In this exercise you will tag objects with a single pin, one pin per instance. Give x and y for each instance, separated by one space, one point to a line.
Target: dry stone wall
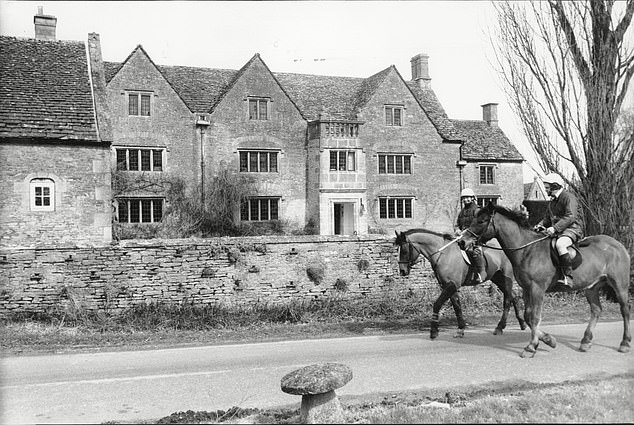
234 272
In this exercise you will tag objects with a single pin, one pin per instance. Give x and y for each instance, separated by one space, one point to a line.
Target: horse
605 266
451 270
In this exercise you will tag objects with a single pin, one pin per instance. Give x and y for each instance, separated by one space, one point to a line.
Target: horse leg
457 308
447 291
592 295
533 316
622 296
519 317
506 305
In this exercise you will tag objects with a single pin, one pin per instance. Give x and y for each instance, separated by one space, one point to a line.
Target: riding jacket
466 216
563 215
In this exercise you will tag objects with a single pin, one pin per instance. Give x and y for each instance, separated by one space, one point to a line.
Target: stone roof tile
45 90
485 142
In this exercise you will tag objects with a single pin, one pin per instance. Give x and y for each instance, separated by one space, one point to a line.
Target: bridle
491 223
410 262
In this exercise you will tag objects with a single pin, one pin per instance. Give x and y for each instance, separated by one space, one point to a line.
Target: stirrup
565 281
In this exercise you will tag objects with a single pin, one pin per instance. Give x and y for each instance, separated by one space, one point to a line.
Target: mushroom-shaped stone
317 384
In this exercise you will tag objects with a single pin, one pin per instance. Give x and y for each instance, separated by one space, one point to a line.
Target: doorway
343 218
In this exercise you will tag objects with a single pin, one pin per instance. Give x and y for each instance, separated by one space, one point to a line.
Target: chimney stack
44 25
490 114
420 70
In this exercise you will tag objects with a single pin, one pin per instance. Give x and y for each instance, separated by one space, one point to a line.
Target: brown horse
451 271
605 265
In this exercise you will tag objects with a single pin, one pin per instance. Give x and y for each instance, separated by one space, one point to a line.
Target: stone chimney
490 114
44 25
420 70
98 82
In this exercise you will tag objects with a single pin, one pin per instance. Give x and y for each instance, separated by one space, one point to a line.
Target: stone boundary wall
235 272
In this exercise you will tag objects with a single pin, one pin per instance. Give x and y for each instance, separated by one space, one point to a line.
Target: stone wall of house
435 179
508 179
228 271
82 211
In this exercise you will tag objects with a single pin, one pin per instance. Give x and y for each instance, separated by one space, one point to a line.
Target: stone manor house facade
352 156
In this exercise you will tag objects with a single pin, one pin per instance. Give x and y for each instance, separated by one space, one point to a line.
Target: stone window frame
245 167
406 211
127 203
139 95
345 166
152 162
390 120
42 183
486 179
258 99
247 209
386 169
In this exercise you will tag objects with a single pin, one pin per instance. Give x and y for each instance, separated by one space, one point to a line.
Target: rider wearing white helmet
465 217
561 220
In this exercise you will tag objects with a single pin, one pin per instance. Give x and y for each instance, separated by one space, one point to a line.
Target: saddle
573 250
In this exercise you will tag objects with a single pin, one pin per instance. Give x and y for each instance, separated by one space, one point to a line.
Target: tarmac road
150 384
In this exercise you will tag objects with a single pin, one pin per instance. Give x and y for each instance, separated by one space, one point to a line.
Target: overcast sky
343 38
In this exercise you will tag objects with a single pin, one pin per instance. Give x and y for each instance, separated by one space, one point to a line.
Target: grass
593 400
160 324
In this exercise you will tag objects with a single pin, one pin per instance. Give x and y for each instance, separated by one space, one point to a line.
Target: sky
342 38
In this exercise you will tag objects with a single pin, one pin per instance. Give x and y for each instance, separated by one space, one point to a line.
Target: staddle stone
317 384
316 379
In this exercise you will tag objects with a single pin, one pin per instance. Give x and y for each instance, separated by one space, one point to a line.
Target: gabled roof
45 90
485 142
337 97
436 113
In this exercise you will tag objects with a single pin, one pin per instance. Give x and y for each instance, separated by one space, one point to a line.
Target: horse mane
517 216
445 236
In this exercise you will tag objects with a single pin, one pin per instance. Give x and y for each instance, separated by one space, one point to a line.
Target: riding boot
479 272
566 270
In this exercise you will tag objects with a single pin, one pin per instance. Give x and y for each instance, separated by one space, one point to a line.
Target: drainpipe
202 122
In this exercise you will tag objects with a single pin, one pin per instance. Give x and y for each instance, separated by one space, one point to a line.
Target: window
343 160
394 116
260 209
486 174
395 207
139 104
395 164
42 195
483 202
140 210
258 109
258 162
137 159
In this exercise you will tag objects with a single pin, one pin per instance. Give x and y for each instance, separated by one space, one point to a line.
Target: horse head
407 253
481 229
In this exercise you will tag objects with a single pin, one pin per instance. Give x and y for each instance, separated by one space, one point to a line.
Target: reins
502 249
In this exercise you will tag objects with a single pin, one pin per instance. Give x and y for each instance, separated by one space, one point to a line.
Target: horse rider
562 221
465 217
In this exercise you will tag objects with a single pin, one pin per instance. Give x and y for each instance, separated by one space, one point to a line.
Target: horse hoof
585 347
498 331
459 333
527 354
433 335
624 348
523 326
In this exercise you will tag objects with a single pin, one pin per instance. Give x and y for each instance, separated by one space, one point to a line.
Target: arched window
42 195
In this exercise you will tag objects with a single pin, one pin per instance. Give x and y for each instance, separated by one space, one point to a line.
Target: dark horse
451 270
605 265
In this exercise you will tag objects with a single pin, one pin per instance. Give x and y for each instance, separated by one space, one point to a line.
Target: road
150 384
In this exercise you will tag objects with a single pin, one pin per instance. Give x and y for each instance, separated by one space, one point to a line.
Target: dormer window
394 115
259 108
139 104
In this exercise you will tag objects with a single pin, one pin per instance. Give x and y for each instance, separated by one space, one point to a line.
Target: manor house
349 156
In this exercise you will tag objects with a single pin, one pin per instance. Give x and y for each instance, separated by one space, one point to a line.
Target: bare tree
566 68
